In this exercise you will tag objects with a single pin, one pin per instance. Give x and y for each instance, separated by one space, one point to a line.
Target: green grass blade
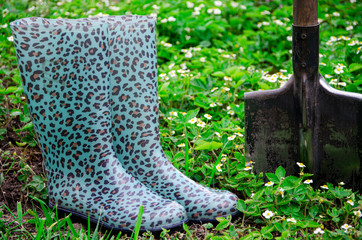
95 233
40 230
186 154
138 223
71 227
216 163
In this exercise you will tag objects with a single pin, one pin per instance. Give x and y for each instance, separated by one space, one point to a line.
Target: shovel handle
305 13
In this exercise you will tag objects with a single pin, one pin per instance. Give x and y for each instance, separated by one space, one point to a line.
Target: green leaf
313 211
241 206
11 90
218 74
355 67
204 145
280 172
290 182
272 177
191 114
222 225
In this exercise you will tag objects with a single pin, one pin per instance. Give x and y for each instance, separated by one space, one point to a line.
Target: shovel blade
337 137
272 124
328 140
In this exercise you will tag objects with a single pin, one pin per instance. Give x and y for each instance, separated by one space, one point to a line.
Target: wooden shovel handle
305 13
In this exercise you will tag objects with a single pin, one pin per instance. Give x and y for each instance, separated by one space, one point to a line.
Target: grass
208 57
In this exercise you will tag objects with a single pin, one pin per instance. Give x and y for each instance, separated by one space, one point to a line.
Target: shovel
306 120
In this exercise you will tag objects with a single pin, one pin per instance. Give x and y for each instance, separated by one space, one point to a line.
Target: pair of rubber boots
91 87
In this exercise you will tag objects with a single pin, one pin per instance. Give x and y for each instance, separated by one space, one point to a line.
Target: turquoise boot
135 123
65 71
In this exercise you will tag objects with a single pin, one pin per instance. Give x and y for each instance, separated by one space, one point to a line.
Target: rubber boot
65 72
136 128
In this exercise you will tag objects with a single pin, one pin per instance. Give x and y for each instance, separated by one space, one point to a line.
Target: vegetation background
209 54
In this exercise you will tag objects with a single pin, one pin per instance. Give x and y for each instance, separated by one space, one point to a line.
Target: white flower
349 28
333 39
239 134
226 78
301 165
212 105
225 89
232 137
10 39
203 59
217 11
187 37
354 42
248 168
289 38
219 103
346 227
243 7
323 64
324 187
189 4
196 13
193 120
336 14
171 19
281 192
234 4
218 3
171 65
172 73
269 184
183 66
214 89
181 145
4 26
231 112
357 213
223 159
164 20
218 167
208 116
329 43
114 8
217 134
318 231
172 113
309 181
5 12
268 214
328 76
338 70
292 220
188 55
266 12
341 183
155 7
352 1
154 15
350 202
201 124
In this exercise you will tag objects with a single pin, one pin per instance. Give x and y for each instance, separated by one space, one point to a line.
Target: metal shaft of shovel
306 120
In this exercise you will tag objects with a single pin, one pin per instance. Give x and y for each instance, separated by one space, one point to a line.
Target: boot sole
125 230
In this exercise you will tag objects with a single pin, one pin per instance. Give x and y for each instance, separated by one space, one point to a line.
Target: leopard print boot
134 103
65 72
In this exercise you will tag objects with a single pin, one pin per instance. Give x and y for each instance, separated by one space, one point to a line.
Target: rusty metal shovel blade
306 120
